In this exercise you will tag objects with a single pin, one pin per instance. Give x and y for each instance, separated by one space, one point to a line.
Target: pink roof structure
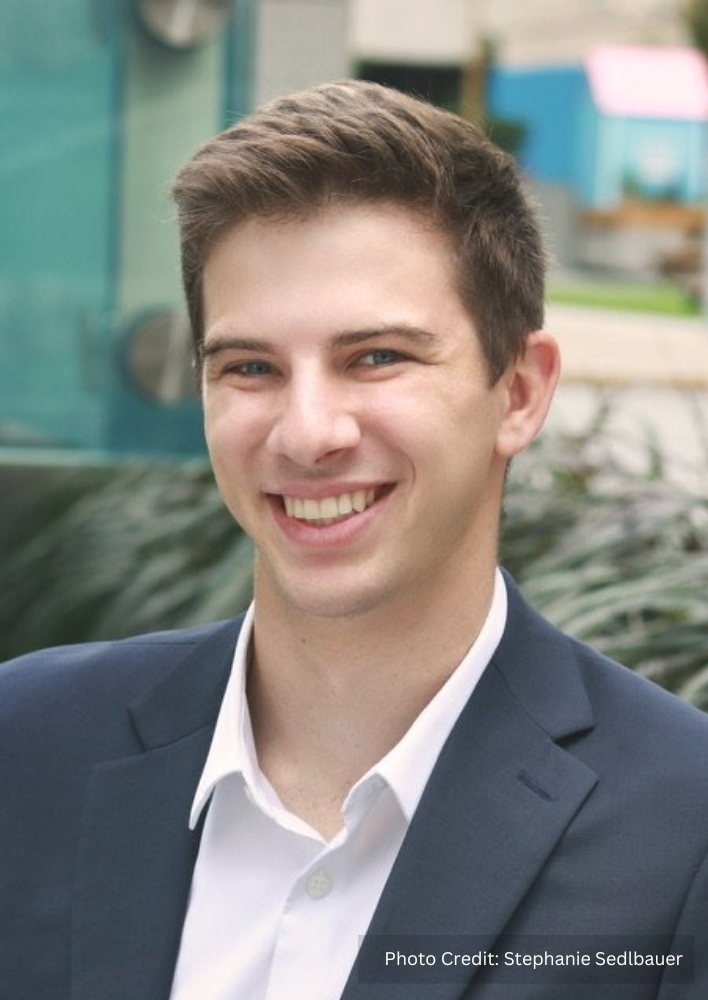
667 83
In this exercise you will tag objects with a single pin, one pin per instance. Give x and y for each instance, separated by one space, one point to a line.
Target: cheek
218 441
467 437
231 430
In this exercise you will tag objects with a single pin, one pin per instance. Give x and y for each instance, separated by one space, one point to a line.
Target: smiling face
350 421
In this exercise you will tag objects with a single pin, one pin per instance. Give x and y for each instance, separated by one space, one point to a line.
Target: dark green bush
614 557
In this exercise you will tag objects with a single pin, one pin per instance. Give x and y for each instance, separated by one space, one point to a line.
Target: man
392 778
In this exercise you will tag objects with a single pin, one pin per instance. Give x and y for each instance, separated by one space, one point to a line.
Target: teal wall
172 100
58 94
97 116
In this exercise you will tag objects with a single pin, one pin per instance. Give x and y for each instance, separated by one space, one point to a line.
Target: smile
328 510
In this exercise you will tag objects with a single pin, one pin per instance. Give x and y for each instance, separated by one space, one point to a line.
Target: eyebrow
405 331
217 344
347 338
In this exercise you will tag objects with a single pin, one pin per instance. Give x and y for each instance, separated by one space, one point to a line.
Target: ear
530 383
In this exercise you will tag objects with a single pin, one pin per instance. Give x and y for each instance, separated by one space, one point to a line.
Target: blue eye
380 358
254 369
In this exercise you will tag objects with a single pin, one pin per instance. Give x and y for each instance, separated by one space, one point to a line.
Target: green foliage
696 16
118 551
509 134
662 297
614 557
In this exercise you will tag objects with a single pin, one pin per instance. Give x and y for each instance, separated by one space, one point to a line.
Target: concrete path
604 347
652 374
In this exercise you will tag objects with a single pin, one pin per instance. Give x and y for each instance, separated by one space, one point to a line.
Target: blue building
619 143
643 127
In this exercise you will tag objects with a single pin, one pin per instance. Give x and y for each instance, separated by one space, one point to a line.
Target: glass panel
58 67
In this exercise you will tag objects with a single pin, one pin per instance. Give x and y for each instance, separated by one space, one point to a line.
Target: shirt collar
407 766
232 749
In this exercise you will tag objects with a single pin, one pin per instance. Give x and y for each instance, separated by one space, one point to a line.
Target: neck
329 697
421 642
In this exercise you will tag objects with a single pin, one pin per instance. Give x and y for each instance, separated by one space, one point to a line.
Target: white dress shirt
276 912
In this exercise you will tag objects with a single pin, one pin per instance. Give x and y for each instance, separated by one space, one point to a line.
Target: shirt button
319 884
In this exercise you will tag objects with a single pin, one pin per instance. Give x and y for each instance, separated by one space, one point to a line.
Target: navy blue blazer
570 799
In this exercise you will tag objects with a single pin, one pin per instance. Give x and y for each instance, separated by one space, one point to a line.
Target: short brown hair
355 141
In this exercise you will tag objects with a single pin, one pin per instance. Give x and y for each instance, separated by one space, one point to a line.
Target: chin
334 607
328 601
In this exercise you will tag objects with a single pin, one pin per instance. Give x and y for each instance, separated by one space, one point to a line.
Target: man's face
350 421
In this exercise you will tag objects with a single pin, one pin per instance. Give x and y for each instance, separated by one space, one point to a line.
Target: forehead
347 256
337 219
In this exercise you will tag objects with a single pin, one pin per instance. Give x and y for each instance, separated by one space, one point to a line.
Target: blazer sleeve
692 924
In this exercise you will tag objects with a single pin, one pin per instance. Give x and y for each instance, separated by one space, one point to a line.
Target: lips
328 510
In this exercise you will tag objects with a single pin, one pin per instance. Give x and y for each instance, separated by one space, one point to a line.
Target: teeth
359 501
329 509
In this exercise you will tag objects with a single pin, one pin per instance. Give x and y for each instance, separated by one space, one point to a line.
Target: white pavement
609 347
653 373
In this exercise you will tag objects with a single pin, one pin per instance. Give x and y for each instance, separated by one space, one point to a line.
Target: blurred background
109 523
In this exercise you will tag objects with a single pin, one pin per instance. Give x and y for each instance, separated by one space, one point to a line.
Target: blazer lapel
500 798
137 854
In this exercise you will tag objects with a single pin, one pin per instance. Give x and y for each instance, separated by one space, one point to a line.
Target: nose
315 423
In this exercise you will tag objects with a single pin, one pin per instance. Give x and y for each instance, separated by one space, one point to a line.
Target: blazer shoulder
558 677
65 680
640 710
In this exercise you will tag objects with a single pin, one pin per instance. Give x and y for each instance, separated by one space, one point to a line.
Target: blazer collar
499 800
188 697
136 853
